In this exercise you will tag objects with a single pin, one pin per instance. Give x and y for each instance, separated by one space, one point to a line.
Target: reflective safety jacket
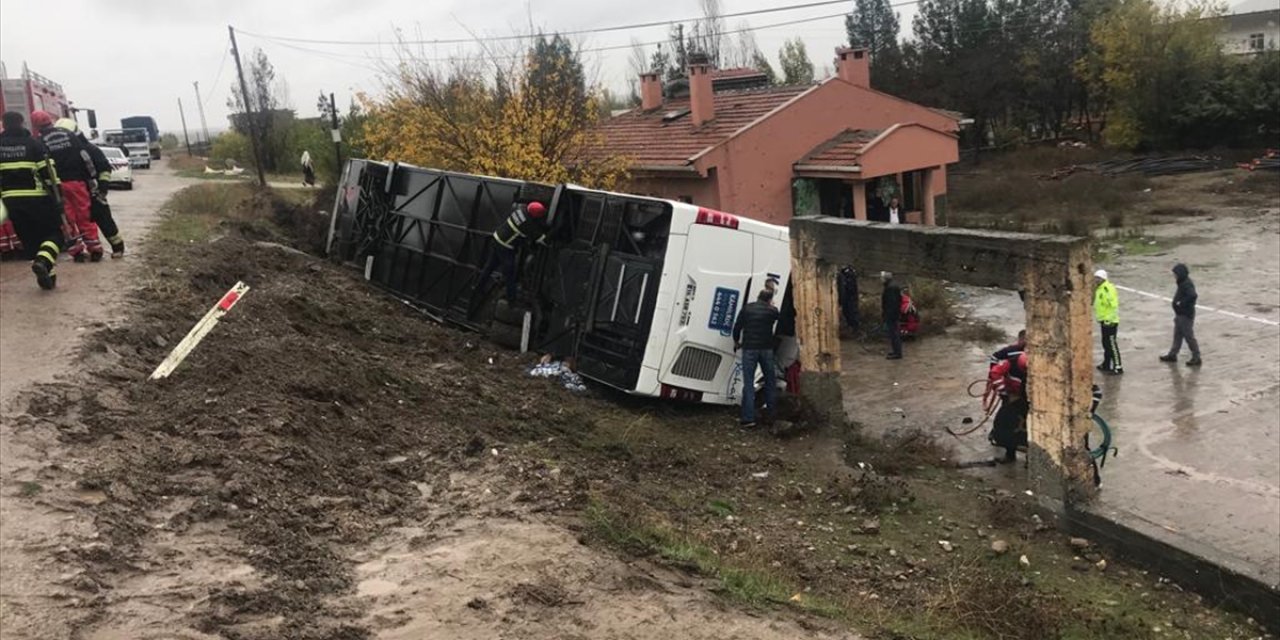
68 151
517 226
25 168
1106 303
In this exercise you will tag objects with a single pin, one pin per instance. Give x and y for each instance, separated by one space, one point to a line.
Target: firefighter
29 190
76 173
526 222
99 209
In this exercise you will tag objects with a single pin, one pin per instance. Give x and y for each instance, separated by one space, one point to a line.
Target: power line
338 56
226 52
622 27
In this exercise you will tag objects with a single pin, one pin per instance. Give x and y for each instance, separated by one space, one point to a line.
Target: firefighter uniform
29 190
76 173
99 209
525 222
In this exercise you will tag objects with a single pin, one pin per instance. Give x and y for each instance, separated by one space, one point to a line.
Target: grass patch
194 212
744 584
182 162
199 174
28 489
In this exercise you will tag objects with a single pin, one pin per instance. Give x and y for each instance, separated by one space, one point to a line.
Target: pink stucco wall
903 148
755 168
704 191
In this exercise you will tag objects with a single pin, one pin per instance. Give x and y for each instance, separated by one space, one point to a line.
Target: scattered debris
946 545
1000 547
198 332
1024 562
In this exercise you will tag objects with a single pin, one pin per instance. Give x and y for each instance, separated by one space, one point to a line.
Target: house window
1257 41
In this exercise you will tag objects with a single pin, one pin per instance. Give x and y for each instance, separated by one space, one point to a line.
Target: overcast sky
133 57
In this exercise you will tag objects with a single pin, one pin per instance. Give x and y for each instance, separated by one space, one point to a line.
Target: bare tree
638 62
708 33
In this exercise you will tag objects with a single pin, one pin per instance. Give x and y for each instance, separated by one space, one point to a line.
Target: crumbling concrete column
817 329
1060 376
858 191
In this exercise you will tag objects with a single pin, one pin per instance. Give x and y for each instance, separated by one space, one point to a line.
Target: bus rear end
715 263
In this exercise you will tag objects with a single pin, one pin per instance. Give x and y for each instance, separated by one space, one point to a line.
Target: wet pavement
1199 449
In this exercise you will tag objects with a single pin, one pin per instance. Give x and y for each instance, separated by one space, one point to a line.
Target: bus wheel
506 335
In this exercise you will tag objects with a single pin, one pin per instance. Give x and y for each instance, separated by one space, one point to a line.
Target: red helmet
536 209
1022 360
40 119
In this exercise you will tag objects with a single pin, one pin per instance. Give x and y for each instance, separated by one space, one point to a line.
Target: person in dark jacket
29 190
99 209
77 179
891 310
1184 317
847 289
526 222
753 335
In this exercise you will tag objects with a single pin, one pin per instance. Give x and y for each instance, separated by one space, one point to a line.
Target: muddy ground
330 464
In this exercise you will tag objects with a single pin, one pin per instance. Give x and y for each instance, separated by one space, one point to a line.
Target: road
1198 448
40 332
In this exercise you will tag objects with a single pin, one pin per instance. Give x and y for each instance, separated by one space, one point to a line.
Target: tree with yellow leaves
535 121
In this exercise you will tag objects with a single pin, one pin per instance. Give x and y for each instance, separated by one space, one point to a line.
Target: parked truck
641 292
153 132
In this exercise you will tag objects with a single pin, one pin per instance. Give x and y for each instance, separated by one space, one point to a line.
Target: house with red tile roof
838 147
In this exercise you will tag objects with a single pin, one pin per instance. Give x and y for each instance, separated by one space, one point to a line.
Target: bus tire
506 335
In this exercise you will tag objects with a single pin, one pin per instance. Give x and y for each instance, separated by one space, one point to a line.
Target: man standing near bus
1106 307
29 190
753 334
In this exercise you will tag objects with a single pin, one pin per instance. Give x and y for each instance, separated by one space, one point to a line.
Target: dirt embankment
329 464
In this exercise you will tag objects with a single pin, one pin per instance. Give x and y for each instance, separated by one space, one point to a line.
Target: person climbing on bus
527 222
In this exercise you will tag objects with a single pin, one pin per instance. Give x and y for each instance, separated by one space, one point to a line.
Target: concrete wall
1053 270
755 168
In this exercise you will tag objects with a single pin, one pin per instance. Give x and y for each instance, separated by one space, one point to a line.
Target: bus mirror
93 119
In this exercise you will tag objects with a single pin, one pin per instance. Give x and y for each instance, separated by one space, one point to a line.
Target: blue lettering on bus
724 308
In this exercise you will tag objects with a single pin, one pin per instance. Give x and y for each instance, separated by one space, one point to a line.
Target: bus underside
589 292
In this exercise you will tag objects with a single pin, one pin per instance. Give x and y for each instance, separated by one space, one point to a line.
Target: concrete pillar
926 192
818 330
1060 376
859 196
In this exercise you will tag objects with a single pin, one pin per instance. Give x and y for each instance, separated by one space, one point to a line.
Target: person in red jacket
76 172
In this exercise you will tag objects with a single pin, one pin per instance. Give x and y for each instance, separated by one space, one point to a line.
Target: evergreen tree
795 63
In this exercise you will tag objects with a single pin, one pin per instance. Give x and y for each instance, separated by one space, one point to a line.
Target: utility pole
248 110
204 126
186 137
336 133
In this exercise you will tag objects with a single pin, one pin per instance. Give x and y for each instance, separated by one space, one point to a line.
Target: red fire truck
26 93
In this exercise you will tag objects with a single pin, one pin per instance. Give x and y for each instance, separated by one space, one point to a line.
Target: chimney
853 65
650 91
702 97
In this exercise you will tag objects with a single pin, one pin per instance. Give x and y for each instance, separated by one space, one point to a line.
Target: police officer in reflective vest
525 223
99 210
29 190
